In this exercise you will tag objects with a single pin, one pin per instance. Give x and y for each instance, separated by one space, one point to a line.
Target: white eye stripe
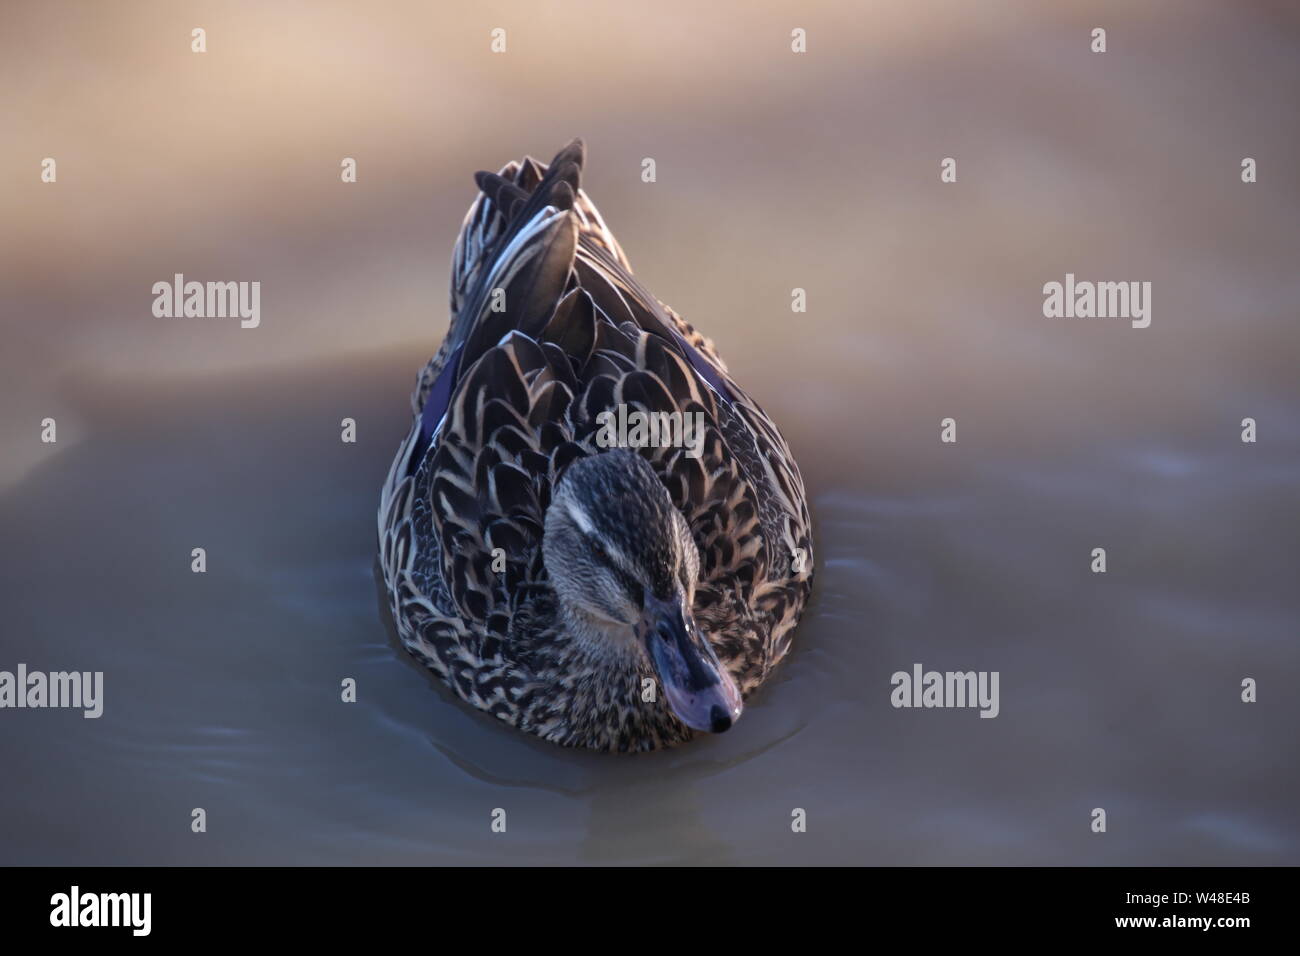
579 517
585 525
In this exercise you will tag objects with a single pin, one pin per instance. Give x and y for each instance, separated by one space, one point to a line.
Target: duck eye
599 551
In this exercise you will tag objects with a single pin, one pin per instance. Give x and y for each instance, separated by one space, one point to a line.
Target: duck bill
697 688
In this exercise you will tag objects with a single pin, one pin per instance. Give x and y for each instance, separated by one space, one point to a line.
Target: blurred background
774 171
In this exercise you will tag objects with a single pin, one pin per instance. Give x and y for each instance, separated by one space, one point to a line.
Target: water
222 690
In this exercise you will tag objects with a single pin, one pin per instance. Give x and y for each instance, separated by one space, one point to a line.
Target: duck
587 585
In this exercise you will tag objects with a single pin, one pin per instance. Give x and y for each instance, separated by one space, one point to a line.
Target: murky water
1117 690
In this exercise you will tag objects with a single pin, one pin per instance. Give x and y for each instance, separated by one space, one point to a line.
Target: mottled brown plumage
549 329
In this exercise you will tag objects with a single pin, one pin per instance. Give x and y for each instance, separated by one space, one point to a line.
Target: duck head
624 566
